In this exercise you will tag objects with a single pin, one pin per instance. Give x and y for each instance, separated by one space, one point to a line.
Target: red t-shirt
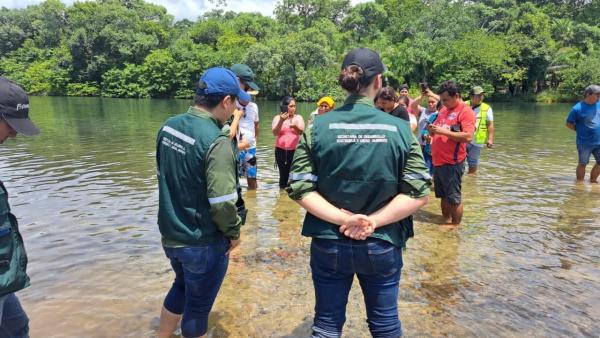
444 150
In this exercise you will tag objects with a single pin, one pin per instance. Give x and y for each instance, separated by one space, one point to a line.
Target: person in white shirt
248 128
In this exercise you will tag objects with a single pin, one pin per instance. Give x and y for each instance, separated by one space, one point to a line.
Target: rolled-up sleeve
221 187
303 176
415 181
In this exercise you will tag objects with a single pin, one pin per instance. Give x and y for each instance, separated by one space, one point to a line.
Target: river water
525 262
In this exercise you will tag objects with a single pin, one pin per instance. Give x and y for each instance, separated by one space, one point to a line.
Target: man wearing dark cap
197 214
14 119
248 125
584 118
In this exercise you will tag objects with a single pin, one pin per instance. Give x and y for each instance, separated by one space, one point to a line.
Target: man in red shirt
451 132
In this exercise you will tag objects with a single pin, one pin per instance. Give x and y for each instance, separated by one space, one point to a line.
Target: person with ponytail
287 127
360 176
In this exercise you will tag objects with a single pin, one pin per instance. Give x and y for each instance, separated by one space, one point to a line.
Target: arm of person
490 127
303 174
243 144
256 130
572 118
430 93
237 116
221 188
413 122
297 124
453 135
319 207
414 190
277 124
415 107
466 119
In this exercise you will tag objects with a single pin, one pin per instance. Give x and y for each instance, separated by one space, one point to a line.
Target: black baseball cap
14 108
365 58
245 74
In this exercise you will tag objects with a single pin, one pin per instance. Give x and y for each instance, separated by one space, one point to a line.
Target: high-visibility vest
481 129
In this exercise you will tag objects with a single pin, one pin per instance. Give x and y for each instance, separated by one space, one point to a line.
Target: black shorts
447 180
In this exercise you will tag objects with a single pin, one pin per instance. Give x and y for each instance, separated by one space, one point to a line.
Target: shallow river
526 261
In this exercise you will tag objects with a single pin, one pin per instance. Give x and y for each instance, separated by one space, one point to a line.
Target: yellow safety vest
481 129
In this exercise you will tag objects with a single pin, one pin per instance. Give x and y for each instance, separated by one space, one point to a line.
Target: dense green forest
129 48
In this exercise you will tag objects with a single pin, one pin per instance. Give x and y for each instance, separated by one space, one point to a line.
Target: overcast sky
184 9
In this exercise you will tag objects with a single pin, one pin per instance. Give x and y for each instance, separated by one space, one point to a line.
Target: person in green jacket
360 176
14 120
197 216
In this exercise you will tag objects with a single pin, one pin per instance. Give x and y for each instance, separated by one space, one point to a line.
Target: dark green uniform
197 181
13 259
359 158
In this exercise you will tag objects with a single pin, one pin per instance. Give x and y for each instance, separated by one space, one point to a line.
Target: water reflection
525 262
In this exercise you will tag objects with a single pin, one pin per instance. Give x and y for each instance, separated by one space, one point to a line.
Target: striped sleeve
415 181
303 177
221 187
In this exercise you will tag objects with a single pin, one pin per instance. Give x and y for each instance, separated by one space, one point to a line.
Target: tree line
129 48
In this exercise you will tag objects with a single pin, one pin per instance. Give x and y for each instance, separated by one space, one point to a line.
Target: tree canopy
131 48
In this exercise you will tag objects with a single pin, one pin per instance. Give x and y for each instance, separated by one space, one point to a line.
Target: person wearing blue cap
197 217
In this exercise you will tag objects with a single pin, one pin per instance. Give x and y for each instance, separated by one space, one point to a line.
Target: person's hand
237 114
233 245
433 129
490 144
357 226
284 116
427 138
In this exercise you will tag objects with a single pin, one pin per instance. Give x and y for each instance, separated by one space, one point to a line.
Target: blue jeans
13 320
585 151
377 265
473 154
199 272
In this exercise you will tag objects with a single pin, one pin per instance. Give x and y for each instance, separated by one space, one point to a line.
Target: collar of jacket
204 114
359 99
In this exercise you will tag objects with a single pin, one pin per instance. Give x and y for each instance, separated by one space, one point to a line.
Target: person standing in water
584 119
360 177
287 127
14 120
484 128
197 201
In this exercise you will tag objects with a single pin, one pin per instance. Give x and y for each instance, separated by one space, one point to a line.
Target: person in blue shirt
584 118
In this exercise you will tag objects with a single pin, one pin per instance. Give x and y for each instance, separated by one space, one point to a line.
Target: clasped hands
357 226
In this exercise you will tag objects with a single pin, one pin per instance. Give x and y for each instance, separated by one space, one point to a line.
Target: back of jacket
359 154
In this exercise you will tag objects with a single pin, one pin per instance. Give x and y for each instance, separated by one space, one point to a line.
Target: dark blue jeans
199 272
377 265
13 320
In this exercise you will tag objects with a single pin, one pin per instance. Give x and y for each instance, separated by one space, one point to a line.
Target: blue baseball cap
221 81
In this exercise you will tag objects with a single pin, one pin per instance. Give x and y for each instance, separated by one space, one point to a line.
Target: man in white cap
14 120
584 118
